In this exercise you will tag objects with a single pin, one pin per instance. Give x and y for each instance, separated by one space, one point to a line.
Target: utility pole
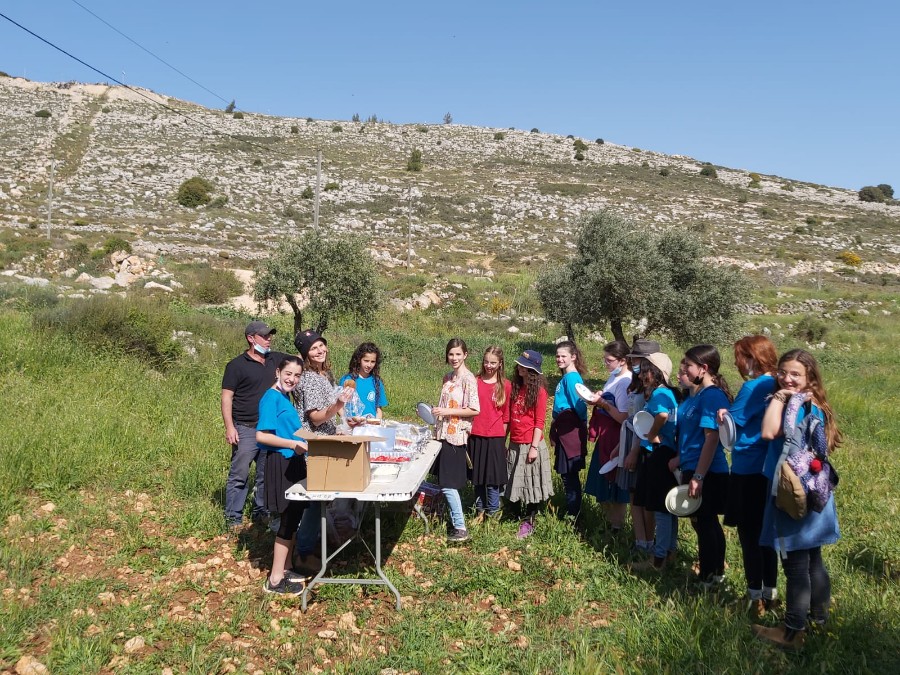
50 198
318 187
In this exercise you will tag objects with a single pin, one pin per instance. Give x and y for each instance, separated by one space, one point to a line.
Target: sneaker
309 563
526 529
780 636
458 536
284 587
653 564
294 577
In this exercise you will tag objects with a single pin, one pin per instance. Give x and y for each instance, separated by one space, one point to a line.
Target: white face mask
261 350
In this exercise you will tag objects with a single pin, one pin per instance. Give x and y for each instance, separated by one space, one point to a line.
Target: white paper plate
642 424
679 504
609 466
584 392
727 432
423 410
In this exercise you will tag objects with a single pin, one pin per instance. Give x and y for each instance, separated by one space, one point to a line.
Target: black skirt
282 473
450 467
488 454
715 492
658 478
747 496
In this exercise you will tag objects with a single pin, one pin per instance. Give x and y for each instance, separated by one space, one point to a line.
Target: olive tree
326 275
623 272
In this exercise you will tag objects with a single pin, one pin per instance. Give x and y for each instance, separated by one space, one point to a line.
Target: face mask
261 350
616 371
636 370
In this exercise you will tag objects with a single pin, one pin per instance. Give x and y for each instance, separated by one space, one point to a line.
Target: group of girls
474 416
304 396
682 447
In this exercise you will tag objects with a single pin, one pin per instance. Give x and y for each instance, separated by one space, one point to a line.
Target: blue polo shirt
565 397
662 400
365 389
695 415
748 409
278 416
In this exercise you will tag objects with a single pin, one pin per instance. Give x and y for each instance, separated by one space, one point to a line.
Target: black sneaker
458 536
284 587
295 577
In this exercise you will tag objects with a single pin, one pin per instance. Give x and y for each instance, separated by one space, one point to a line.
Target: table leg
378 554
323 535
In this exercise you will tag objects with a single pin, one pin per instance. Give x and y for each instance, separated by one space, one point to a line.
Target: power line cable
141 94
158 58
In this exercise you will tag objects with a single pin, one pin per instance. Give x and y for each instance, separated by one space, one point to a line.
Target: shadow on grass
873 563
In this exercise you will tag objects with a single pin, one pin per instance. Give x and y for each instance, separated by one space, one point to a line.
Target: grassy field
114 557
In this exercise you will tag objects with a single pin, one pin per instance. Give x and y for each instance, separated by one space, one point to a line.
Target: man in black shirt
246 379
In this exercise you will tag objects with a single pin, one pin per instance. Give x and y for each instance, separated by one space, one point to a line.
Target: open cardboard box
337 462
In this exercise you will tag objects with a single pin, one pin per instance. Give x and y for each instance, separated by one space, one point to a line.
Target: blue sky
808 90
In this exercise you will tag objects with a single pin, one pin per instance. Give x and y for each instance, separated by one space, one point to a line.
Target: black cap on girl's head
304 340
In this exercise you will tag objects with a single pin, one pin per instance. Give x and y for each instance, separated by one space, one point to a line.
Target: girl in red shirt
487 442
528 460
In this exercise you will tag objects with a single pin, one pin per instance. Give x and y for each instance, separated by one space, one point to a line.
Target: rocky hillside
485 199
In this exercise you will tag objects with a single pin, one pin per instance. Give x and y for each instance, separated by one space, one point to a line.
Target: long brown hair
500 385
756 353
817 389
533 382
572 348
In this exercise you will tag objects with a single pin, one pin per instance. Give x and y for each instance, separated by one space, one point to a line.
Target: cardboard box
337 462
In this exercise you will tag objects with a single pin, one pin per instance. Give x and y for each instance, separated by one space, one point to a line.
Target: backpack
804 478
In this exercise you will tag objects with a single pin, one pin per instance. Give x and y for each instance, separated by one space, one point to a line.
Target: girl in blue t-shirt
365 370
568 431
285 466
808 586
701 457
755 357
657 478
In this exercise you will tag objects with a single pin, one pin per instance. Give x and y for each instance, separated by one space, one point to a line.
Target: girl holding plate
755 358
610 411
701 457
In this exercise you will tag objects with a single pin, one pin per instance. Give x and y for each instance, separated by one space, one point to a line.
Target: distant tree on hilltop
871 193
448 118
230 107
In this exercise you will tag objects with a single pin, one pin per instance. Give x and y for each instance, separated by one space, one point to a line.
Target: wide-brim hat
304 340
643 348
530 359
663 362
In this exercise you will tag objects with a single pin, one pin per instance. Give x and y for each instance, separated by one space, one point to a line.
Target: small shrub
291 212
850 259
307 193
414 163
767 212
870 193
535 130
636 150
79 222
599 141
331 187
309 119
499 136
755 177
257 162
858 239
570 137
79 254
194 192
580 146
645 164
709 172
810 328
238 115
106 109
43 114
742 198
787 187
295 129
753 185
579 156
211 286
337 128
422 129
218 202
114 244
664 171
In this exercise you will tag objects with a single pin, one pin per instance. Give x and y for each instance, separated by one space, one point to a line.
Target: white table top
402 489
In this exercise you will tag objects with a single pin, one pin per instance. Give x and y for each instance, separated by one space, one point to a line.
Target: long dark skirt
488 460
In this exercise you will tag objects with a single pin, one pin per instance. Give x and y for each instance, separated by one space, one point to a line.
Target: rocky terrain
485 200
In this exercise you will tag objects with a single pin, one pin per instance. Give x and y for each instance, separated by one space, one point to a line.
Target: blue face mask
636 370
616 371
261 350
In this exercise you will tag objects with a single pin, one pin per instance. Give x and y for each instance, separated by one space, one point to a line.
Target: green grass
134 461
